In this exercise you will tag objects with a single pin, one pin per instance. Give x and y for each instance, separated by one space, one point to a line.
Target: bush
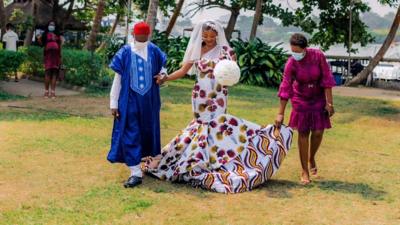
33 63
260 63
83 67
174 47
113 43
10 61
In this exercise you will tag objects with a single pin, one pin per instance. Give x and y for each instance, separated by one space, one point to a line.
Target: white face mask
298 56
141 45
51 28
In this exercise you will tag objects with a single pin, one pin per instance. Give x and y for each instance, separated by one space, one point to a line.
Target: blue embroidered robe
136 133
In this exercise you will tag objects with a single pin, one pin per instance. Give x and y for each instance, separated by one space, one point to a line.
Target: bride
217 151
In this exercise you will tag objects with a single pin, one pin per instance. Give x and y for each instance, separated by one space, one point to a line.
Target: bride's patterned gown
217 151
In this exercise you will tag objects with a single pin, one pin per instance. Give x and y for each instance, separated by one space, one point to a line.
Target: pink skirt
309 120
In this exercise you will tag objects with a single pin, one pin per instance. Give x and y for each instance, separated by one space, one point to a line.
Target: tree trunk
256 20
152 13
91 41
110 32
54 12
67 14
174 17
2 19
235 12
363 75
30 30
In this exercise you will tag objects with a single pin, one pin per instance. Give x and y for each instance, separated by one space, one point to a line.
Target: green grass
53 167
4 96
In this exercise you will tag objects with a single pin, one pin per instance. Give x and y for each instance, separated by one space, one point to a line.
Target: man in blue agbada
135 102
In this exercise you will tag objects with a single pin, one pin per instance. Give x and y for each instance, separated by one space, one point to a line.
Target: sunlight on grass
53 167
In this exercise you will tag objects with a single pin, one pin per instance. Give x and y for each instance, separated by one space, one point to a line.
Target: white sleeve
164 71
115 90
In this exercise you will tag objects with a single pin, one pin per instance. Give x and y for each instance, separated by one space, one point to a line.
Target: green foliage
174 48
33 64
83 67
4 96
327 21
331 25
113 43
260 63
143 5
21 20
10 61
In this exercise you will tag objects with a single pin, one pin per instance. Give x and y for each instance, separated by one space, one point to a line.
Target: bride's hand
279 120
161 78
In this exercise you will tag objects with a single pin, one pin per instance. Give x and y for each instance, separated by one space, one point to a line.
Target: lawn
53 167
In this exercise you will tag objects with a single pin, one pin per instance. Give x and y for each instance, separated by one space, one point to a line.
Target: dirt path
367 93
29 88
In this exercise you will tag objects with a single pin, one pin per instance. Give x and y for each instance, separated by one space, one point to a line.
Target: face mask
298 56
51 28
141 45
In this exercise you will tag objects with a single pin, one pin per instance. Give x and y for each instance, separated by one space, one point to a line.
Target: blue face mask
51 28
298 56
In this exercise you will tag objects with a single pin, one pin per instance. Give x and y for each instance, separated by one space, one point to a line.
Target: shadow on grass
362 189
160 186
281 188
366 107
274 188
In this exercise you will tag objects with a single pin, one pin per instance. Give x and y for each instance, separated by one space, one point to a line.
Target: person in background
10 39
52 42
307 82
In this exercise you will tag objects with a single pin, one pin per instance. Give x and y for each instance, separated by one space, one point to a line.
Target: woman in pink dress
51 42
307 82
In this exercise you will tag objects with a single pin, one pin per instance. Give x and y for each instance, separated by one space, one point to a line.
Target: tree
151 18
30 24
2 19
363 75
174 17
257 19
110 32
234 7
91 41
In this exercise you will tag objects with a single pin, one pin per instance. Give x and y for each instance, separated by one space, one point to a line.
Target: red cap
141 28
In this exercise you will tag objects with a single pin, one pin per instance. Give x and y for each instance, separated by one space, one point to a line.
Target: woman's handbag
62 72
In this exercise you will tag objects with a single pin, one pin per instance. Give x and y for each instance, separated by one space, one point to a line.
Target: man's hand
161 78
115 113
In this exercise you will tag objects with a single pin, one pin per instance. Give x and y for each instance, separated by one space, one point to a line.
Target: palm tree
257 18
363 75
174 17
152 13
91 41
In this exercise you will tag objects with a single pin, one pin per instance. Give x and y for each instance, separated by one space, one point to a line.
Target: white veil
193 50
